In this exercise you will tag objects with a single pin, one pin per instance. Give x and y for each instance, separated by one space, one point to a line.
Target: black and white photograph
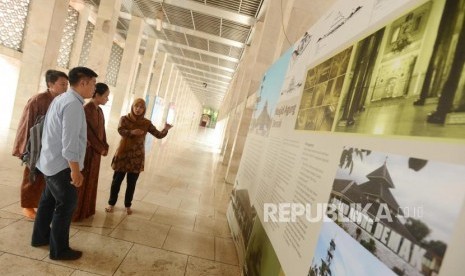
337 253
320 96
408 77
401 209
244 212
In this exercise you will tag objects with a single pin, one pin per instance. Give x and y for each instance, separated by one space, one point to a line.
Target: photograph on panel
401 209
321 92
268 96
337 253
261 258
408 78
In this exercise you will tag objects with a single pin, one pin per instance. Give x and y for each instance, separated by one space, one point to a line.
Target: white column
165 81
45 23
179 92
142 83
177 85
84 13
169 91
157 73
102 39
127 69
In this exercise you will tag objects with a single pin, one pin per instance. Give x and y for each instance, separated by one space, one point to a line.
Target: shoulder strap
34 146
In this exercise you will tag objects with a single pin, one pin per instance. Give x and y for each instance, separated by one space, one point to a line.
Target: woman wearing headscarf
130 155
96 147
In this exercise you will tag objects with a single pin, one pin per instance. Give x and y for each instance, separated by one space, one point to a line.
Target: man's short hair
51 76
78 73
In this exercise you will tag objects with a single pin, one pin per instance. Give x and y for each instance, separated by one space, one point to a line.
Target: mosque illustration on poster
262 124
268 96
388 205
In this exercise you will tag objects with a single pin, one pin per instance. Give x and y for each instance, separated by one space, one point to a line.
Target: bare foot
110 209
29 213
128 210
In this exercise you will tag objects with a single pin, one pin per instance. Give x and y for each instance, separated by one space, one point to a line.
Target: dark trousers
56 207
118 178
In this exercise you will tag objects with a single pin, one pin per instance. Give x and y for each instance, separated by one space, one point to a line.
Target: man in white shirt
64 140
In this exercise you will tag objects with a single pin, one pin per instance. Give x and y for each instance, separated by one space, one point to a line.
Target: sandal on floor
109 209
128 210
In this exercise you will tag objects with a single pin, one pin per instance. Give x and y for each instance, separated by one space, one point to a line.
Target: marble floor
178 226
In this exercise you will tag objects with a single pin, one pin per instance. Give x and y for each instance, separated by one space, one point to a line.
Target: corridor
178 226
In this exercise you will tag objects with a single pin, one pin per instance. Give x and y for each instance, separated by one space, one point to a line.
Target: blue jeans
56 207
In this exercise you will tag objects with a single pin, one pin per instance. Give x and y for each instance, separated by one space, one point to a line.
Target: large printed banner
355 159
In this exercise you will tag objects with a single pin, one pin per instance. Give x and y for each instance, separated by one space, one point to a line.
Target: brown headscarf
138 120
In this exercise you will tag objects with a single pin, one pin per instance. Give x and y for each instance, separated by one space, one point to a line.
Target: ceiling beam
210 10
203 71
190 74
208 81
182 46
212 89
201 83
200 87
209 84
215 38
202 62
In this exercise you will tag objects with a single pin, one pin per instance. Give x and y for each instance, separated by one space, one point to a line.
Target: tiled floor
178 226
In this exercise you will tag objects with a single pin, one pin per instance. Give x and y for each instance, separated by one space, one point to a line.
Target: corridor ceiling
205 39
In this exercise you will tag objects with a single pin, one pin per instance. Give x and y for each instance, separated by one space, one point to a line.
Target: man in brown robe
57 83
